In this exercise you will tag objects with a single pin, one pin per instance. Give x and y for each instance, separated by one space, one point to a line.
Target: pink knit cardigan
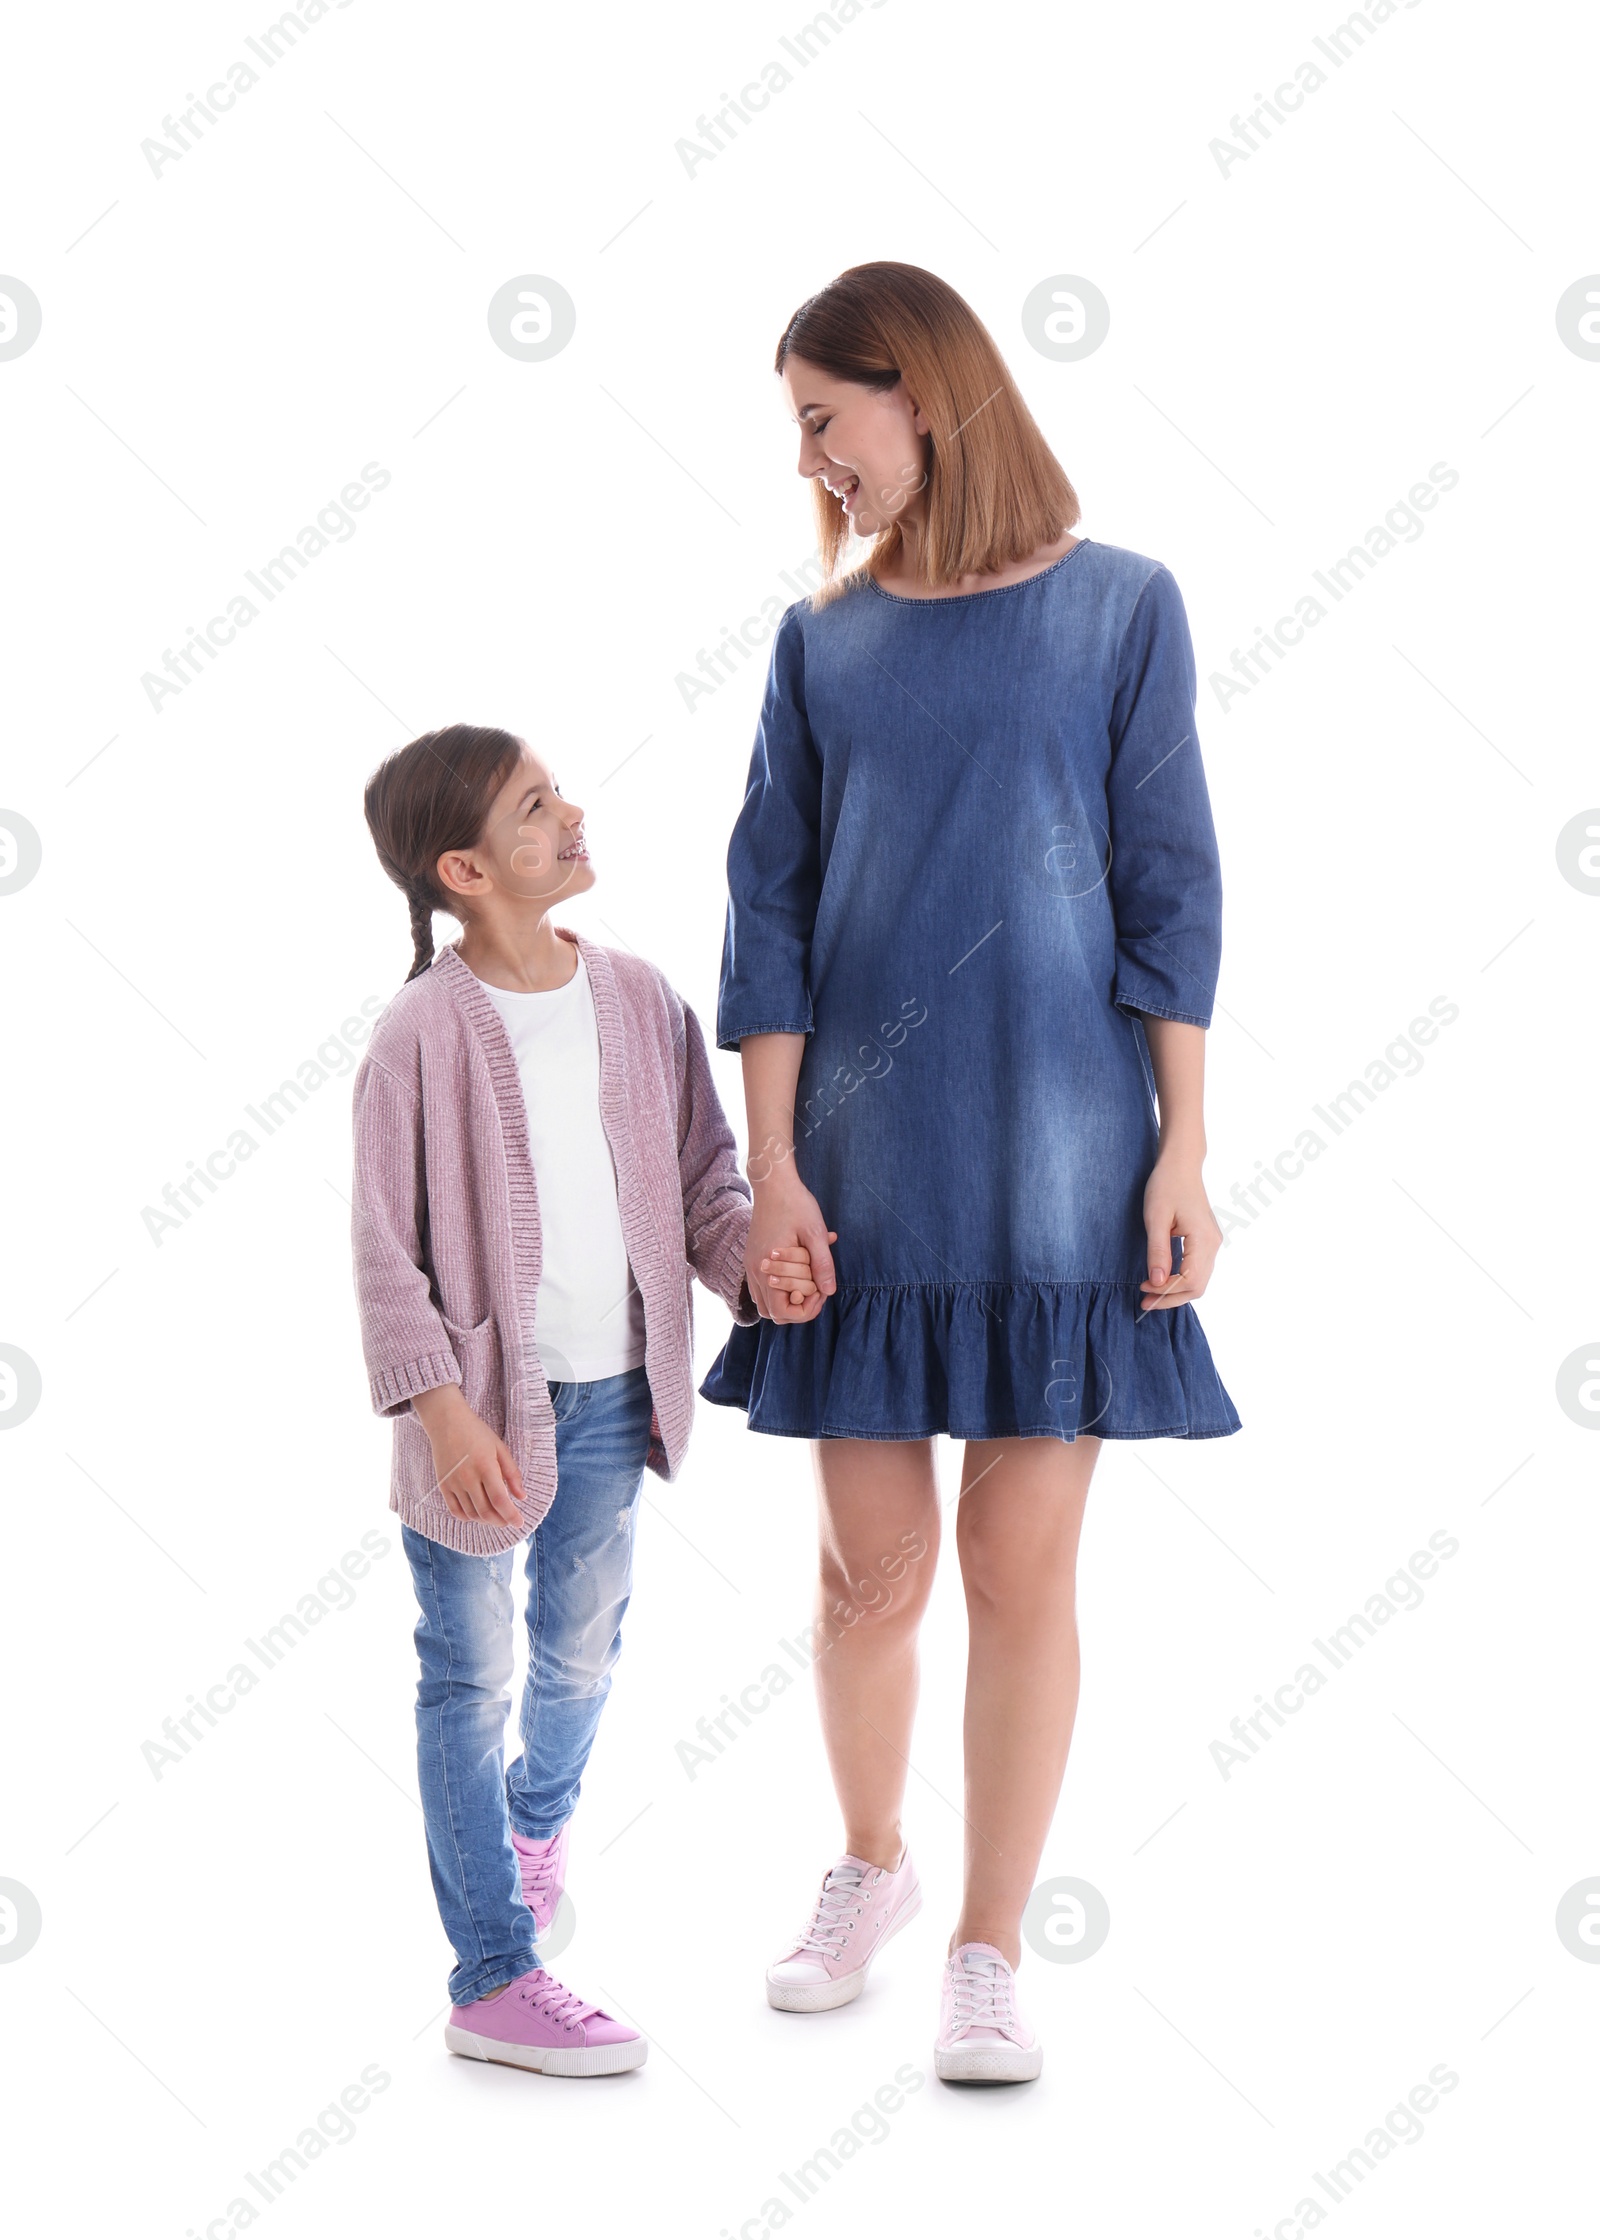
446 1218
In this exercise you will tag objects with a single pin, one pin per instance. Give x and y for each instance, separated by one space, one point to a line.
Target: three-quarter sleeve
1165 879
774 862
403 1336
716 1197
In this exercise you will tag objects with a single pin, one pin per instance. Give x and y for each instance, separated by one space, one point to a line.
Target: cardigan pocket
477 1352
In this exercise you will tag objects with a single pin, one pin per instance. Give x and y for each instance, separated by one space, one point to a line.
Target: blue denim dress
975 846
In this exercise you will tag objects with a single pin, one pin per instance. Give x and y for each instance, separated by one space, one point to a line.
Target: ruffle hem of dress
977 1361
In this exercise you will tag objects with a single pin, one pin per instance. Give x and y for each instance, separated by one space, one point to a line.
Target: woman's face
868 446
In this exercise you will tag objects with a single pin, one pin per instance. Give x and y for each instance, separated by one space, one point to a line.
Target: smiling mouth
574 852
843 491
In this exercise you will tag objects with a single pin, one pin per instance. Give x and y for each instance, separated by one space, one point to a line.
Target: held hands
475 1472
1176 1205
787 1273
787 1262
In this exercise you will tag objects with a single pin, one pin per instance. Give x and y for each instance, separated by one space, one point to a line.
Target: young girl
540 1162
973 935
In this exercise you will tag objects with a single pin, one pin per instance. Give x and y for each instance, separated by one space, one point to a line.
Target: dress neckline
996 591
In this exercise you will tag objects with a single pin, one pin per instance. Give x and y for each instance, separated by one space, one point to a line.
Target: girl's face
532 847
869 447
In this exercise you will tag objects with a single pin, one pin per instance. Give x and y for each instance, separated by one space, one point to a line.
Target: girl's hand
787 1224
787 1269
475 1472
1176 1205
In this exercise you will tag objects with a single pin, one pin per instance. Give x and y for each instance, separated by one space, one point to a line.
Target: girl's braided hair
428 798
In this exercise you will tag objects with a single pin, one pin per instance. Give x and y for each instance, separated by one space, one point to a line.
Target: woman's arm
1165 885
785 1211
764 1001
1175 1201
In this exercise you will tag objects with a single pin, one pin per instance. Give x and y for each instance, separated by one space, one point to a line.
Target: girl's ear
458 873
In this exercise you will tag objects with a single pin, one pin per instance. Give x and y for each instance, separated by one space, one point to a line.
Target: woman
972 944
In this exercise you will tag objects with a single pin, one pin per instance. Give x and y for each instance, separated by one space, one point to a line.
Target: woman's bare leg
878 1508
1017 1529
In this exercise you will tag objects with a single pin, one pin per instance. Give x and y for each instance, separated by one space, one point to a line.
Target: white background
1291 347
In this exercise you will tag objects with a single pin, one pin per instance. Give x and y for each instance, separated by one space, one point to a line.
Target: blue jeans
580 1572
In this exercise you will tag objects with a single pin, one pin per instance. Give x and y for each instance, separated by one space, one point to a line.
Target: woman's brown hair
995 489
426 799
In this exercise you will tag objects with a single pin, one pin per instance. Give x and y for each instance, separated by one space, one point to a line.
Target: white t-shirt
588 1317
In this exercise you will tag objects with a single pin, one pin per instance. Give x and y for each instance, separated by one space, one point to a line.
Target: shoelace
842 1897
984 1996
538 1876
563 2007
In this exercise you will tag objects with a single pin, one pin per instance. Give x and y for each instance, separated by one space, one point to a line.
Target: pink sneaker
982 2038
544 1874
858 1909
537 2023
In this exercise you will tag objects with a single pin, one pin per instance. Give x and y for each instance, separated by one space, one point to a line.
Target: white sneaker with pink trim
982 2038
858 1910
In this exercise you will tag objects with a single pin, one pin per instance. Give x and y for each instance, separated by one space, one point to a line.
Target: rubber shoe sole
837 1991
550 2061
988 2063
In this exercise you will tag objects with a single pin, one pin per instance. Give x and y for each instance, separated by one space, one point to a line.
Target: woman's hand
475 1472
787 1224
786 1218
1176 1205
